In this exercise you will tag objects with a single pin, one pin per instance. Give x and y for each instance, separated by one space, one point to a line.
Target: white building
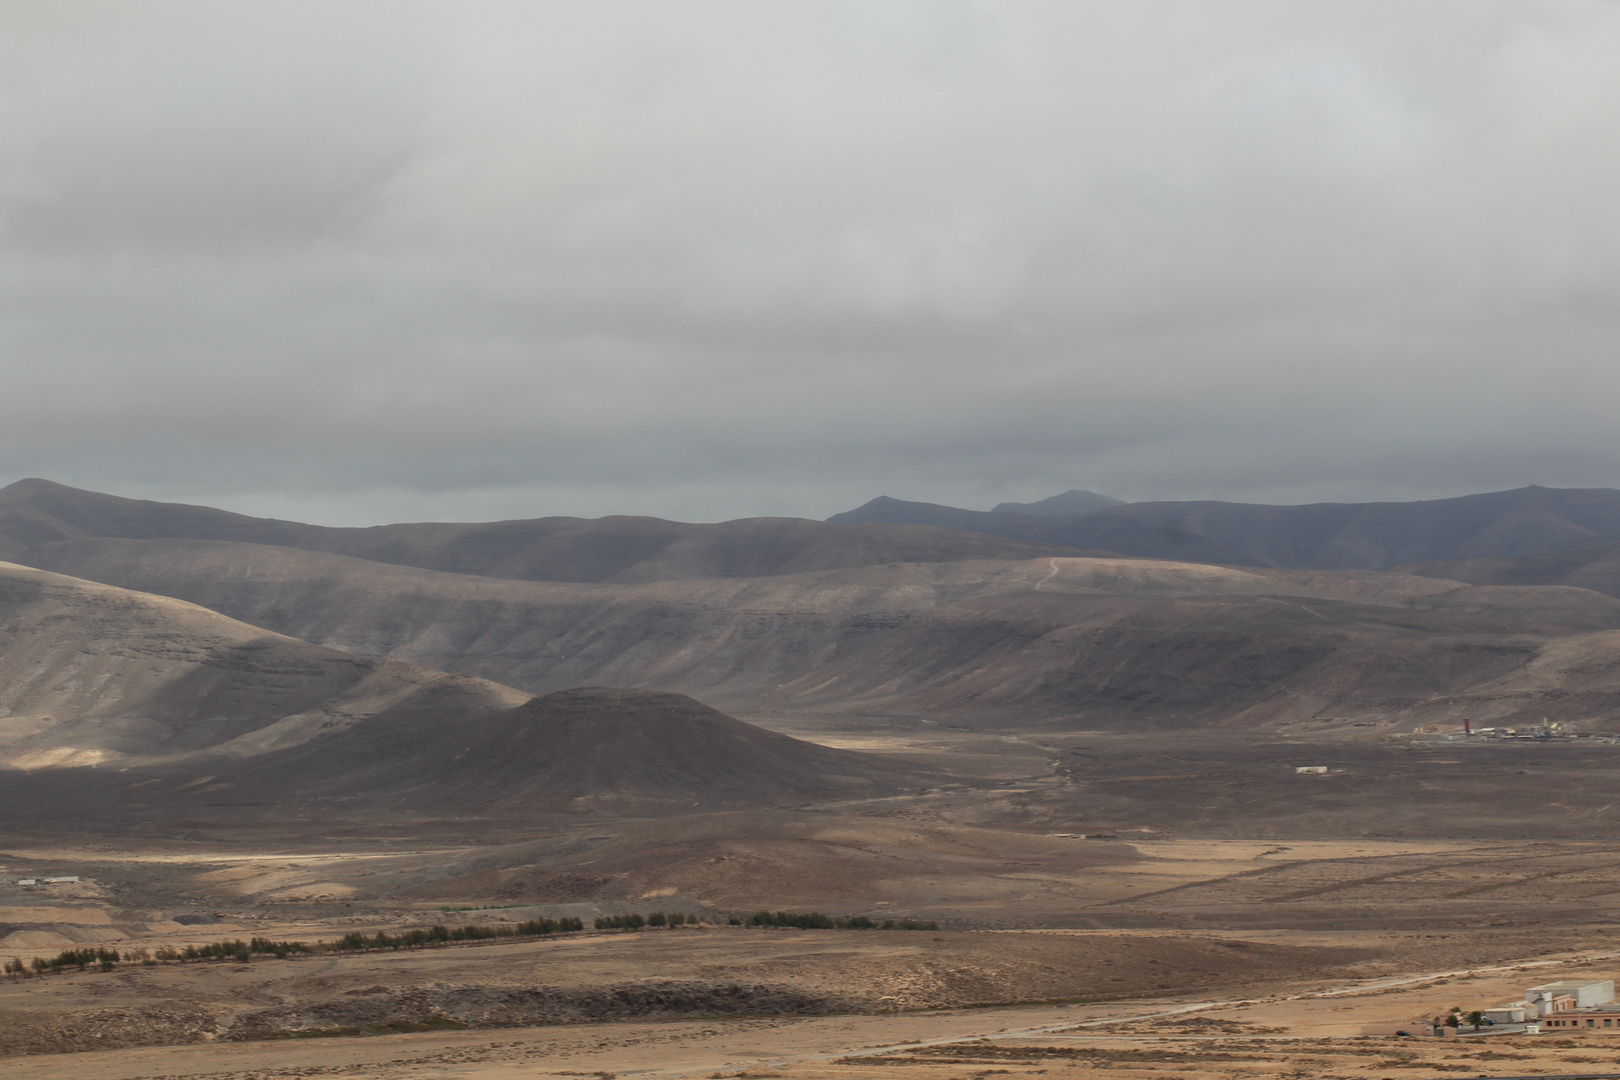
1568 994
1508 1014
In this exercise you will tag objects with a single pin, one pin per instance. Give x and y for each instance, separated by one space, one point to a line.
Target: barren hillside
1595 568
1065 641
92 674
583 750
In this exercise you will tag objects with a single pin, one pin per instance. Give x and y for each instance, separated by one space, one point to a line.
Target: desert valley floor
1131 946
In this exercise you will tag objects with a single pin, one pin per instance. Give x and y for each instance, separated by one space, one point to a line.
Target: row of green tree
445 935
815 920
355 941
636 922
77 958
244 951
805 920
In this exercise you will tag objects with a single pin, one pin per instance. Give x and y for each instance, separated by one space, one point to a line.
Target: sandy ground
663 974
880 865
1256 948
1287 1033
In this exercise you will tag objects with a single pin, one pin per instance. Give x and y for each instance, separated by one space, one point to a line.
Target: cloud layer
364 261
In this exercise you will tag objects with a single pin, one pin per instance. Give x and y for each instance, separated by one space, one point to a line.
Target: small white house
1310 770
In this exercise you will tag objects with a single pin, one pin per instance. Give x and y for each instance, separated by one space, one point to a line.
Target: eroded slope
93 674
1070 641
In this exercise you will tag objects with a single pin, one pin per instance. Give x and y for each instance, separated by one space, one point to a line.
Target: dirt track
1291 1034
647 975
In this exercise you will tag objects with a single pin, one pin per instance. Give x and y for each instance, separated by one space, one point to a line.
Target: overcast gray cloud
352 262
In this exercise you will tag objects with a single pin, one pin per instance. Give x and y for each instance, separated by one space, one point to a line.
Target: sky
356 262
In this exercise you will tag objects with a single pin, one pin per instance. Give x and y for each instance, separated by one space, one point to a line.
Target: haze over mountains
1073 501
34 512
1507 524
1329 536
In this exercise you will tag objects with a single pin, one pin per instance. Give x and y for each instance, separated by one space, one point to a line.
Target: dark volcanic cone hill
590 748
627 549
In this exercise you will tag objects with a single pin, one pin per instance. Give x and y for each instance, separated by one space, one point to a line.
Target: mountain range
35 512
1329 536
981 631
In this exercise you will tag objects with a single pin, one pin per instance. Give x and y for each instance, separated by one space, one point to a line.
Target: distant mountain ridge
1320 536
1075 642
1096 531
1073 501
616 549
1523 522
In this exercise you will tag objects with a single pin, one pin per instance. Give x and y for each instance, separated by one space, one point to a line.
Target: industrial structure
1569 995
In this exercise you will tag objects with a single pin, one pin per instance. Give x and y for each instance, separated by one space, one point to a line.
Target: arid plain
1082 768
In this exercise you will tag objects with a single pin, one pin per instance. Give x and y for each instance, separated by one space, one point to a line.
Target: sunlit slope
1074 641
92 674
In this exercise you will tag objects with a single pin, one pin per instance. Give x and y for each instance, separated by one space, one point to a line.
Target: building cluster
1544 732
1562 1006
37 882
1556 1006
